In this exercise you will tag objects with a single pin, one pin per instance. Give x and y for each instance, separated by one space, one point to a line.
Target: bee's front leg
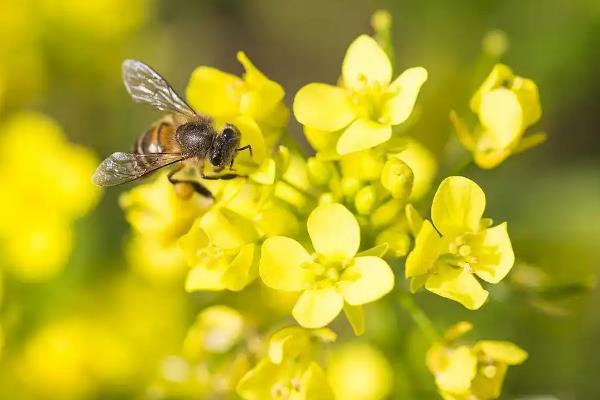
186 187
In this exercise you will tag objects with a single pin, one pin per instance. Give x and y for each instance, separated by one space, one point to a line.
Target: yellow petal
315 385
239 273
324 107
365 61
458 285
497 256
527 93
258 383
251 135
356 317
428 246
321 140
334 231
423 165
214 92
501 351
227 230
316 308
262 95
501 115
457 206
367 280
363 134
458 368
281 264
202 277
500 74
406 87
489 158
289 341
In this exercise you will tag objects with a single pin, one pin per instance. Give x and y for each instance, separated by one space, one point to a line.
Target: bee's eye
228 132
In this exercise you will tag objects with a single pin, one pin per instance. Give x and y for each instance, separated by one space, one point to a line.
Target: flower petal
363 134
204 277
407 86
324 107
428 246
367 280
214 92
454 369
527 92
501 351
457 206
316 308
498 256
258 383
356 317
458 285
365 61
281 264
242 269
501 115
334 231
500 74
315 385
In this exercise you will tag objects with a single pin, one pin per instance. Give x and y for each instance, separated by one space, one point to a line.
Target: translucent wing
145 85
124 167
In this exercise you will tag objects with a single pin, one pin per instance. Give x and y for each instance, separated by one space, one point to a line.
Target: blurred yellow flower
253 103
464 372
49 188
462 244
360 113
72 358
216 330
358 371
332 279
159 217
506 105
290 370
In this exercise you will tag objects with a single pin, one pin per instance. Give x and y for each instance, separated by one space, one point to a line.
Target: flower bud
365 199
397 178
319 171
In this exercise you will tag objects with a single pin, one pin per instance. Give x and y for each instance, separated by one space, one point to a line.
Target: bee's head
224 147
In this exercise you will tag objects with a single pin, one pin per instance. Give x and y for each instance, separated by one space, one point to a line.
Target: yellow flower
446 257
360 113
216 330
222 251
464 372
254 103
72 358
49 188
358 371
159 217
332 279
290 371
506 105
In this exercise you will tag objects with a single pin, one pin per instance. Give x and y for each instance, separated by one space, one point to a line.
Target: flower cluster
331 232
50 189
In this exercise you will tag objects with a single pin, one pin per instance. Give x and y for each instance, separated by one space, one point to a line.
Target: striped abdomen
160 138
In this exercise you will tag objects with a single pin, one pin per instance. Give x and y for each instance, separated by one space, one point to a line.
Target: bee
181 137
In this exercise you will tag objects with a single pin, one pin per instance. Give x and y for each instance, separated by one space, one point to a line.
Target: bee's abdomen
160 138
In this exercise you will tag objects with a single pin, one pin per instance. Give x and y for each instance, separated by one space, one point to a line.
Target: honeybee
182 135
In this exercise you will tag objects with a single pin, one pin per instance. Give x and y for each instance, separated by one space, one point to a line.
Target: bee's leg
185 187
223 177
246 147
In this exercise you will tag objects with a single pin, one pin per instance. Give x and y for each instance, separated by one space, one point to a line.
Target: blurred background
79 319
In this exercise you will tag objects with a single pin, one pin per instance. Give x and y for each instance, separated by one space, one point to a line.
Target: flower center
285 390
369 101
461 253
210 254
325 270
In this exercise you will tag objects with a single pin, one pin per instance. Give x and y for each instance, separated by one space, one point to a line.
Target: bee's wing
145 85
124 167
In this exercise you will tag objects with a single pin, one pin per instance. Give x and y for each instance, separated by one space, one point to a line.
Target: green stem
419 317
